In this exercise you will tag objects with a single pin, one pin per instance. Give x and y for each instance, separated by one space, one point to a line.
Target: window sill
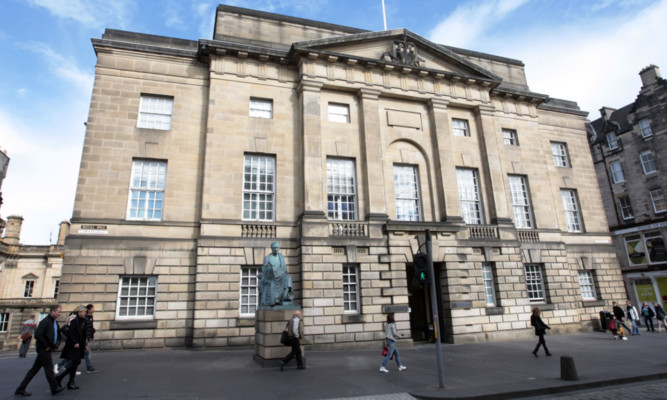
124 325
353 318
495 310
592 303
544 306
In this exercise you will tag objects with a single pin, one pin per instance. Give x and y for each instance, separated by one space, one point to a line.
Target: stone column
313 179
494 179
444 166
372 163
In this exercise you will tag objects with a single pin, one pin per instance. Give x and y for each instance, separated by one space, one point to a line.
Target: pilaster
371 164
313 180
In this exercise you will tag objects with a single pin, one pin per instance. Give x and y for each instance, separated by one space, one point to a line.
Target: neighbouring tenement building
29 279
345 146
629 149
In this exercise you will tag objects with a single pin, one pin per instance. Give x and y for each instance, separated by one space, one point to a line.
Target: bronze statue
275 285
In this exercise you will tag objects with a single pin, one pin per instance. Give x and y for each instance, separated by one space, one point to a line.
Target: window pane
341 188
406 189
137 297
469 196
350 288
258 188
572 215
520 202
155 112
248 300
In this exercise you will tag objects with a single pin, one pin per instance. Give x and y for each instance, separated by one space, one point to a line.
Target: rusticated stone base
269 324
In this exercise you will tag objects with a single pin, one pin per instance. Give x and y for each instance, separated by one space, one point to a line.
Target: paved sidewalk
472 371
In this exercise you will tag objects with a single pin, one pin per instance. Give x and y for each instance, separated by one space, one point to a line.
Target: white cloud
594 61
91 14
206 15
62 67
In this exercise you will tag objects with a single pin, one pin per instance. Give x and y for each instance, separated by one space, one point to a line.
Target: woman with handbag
27 330
390 341
540 330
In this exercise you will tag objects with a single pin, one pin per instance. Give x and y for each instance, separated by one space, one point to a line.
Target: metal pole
434 308
384 16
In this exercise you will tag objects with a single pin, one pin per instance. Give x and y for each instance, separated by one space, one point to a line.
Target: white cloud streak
62 67
91 14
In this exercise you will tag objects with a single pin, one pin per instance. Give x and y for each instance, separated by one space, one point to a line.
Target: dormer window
612 141
645 127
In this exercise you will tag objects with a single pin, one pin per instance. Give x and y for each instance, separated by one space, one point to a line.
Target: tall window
469 197
535 282
658 200
4 322
645 127
571 206
261 108
406 186
612 141
28 288
587 285
489 284
341 189
351 288
510 137
616 171
460 127
626 207
249 294
56 288
147 190
259 174
523 215
646 158
559 153
136 297
155 112
339 112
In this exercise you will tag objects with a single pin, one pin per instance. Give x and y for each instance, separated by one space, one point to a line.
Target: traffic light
421 268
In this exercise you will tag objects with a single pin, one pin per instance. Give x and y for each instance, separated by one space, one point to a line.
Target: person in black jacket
47 337
75 347
540 330
90 335
620 315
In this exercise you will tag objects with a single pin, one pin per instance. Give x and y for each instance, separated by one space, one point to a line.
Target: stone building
345 146
628 147
29 279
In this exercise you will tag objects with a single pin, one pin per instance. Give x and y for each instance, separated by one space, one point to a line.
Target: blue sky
589 51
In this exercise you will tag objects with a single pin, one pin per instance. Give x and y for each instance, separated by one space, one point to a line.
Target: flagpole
384 16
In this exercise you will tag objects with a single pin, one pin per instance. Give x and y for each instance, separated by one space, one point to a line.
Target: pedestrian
619 314
75 347
633 315
540 330
294 329
47 339
660 315
648 314
27 331
65 363
90 334
390 336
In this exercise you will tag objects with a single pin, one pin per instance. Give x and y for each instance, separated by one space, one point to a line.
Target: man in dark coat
47 339
620 315
75 347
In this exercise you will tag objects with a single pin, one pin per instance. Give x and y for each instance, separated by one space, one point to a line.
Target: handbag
284 338
26 336
385 351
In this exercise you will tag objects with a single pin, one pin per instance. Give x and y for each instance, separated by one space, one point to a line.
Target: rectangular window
658 200
28 288
339 112
249 292
571 206
510 137
535 283
587 285
626 207
655 246
147 190
56 288
523 215
136 297
612 141
559 153
489 284
341 189
634 246
645 127
155 112
259 176
4 322
460 127
351 288
469 197
261 108
648 165
406 187
616 172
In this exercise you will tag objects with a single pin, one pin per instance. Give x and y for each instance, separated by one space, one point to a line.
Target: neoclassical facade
344 146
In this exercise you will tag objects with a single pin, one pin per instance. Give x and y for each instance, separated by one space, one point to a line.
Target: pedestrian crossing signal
421 268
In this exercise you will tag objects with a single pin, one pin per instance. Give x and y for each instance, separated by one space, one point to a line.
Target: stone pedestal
269 324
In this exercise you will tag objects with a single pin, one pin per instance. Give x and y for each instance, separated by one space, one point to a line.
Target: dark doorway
419 300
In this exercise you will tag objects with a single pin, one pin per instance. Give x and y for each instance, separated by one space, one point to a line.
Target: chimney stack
605 112
649 75
13 229
63 232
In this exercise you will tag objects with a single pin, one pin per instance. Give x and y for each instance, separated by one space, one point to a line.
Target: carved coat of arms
402 52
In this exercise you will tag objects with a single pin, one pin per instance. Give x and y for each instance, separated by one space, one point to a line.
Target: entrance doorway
419 300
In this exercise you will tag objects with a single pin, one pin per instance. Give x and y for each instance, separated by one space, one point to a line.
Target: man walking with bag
295 332
27 330
47 339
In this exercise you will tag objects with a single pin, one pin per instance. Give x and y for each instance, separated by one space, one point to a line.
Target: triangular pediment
400 47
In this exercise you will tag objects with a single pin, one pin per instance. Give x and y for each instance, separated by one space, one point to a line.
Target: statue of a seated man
275 285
